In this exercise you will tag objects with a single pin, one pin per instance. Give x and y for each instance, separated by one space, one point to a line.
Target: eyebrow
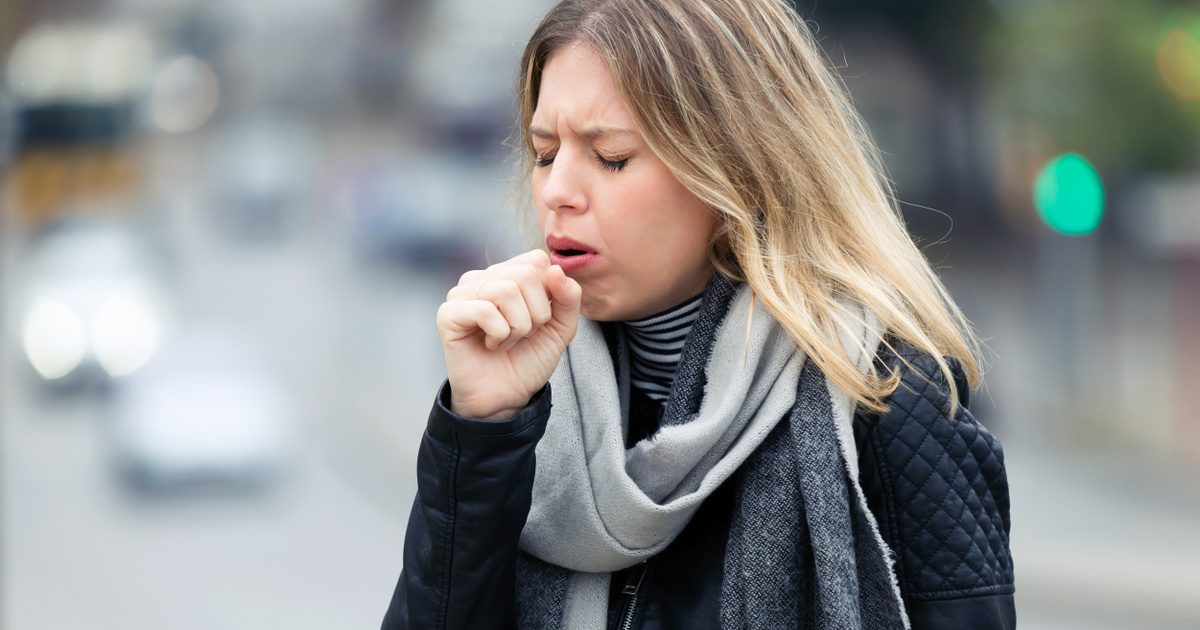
591 133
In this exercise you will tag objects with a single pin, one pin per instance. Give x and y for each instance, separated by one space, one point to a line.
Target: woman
726 390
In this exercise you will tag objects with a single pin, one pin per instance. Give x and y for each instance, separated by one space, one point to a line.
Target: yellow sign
42 183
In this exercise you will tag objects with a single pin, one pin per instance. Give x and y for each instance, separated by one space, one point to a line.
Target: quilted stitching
948 488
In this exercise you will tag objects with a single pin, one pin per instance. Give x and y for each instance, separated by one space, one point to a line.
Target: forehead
577 91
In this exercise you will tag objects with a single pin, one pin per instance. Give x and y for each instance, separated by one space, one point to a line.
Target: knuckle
489 290
527 273
502 324
443 315
511 288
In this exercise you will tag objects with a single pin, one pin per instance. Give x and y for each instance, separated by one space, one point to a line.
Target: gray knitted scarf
803 551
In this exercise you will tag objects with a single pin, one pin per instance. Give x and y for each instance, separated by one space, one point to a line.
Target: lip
570 263
559 243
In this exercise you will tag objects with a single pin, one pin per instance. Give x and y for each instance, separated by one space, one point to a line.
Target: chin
598 310
592 313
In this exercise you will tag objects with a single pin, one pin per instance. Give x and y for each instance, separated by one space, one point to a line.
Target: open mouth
571 259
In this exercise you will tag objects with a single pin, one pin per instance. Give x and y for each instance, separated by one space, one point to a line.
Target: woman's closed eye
613 165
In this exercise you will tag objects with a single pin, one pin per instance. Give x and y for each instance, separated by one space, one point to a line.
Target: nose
563 189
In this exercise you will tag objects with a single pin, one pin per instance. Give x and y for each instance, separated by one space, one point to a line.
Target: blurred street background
226 226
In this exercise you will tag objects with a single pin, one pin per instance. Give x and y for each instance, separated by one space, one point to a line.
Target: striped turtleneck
656 343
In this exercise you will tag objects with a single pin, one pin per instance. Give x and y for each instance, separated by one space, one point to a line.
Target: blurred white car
92 301
207 408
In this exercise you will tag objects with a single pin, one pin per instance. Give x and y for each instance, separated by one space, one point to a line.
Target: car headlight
54 338
125 334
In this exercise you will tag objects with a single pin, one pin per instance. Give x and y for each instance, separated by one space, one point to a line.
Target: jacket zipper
631 591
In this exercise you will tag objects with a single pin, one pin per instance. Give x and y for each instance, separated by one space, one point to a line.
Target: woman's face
597 182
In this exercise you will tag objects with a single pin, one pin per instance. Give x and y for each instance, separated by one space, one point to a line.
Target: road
1098 542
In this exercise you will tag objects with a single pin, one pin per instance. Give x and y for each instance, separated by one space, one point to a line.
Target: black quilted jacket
937 488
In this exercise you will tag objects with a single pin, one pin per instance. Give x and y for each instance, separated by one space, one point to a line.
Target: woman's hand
503 330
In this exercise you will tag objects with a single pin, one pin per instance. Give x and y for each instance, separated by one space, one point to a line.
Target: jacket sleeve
474 488
939 491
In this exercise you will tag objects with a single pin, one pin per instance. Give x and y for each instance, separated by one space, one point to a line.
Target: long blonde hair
737 100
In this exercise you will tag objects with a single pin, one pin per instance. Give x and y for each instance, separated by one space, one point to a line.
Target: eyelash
608 165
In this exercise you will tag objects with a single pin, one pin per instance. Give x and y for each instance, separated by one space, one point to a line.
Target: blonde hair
737 100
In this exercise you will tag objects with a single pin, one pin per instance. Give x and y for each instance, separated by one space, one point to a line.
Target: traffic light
1069 195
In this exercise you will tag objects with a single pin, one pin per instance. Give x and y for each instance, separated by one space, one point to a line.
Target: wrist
503 414
490 410
483 413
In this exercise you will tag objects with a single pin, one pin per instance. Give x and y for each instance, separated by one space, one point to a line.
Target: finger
463 292
532 281
462 319
537 257
567 295
506 294
466 287
470 278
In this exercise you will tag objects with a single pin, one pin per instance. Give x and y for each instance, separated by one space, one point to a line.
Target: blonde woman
726 390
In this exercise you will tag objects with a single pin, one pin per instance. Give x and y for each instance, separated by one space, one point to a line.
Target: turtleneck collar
656 343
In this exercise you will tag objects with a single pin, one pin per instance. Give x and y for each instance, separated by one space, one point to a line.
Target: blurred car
206 411
92 300
263 179
431 213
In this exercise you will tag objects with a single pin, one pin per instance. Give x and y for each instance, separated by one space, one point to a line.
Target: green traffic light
1069 195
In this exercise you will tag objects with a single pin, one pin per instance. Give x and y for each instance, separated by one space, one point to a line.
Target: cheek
660 211
662 247
535 185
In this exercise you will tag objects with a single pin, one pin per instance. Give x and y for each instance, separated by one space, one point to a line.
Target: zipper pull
633 584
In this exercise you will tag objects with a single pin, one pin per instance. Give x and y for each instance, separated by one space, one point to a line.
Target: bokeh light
1069 195
185 94
125 334
55 338
1179 63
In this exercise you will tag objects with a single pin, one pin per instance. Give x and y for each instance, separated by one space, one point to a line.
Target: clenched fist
503 330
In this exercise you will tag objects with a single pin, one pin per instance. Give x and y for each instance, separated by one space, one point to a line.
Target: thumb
566 293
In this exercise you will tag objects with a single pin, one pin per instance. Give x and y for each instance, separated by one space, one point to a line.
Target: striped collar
656 343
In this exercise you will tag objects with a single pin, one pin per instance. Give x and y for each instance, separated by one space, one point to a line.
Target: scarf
803 551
